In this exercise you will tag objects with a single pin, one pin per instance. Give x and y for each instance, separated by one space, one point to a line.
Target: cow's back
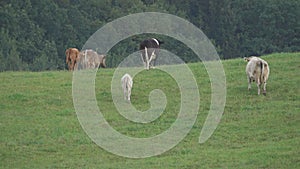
252 66
72 53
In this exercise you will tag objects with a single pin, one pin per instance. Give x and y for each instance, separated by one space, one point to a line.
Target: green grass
39 127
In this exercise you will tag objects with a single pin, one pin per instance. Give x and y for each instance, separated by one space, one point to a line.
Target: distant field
39 127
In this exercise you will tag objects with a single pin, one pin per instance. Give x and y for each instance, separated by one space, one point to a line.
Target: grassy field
39 127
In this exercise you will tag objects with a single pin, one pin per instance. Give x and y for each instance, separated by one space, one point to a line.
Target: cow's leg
124 87
147 58
143 58
97 65
153 63
86 64
76 66
258 86
93 65
124 90
72 64
69 66
249 83
152 58
264 89
129 93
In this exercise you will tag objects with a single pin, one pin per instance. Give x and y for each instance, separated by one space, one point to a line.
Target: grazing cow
100 61
150 50
89 59
127 83
257 70
71 57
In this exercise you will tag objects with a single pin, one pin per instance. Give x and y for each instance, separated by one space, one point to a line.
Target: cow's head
102 61
248 58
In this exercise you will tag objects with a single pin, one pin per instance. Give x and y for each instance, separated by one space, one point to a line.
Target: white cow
127 83
257 70
90 59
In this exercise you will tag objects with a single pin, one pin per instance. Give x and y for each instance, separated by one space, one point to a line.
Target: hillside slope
39 127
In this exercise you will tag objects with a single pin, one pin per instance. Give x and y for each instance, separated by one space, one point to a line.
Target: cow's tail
85 53
262 67
67 56
85 62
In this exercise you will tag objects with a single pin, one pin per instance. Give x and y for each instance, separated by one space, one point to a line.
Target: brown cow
71 57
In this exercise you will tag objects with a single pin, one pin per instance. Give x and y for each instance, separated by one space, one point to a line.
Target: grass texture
39 127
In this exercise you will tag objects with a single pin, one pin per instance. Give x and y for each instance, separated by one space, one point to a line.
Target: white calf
127 83
257 70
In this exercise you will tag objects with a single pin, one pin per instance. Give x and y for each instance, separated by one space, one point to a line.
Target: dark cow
150 50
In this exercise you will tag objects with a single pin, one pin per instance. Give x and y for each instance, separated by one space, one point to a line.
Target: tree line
34 34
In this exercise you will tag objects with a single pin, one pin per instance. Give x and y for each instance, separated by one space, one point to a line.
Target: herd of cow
257 69
86 59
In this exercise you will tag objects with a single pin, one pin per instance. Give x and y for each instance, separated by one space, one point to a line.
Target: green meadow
39 127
